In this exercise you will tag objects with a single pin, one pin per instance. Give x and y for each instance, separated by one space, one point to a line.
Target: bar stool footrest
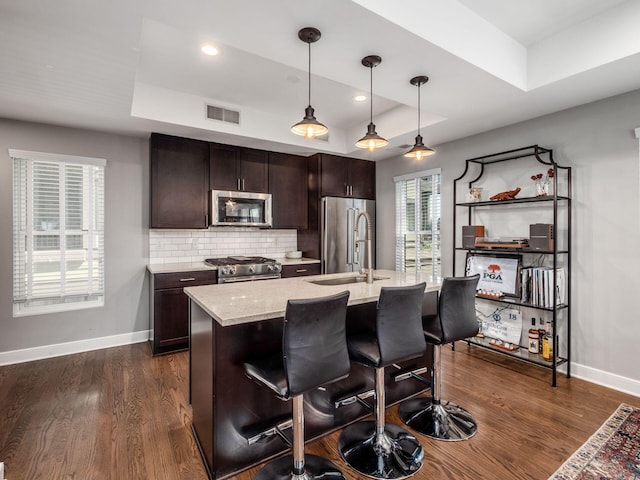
267 430
415 374
440 421
353 398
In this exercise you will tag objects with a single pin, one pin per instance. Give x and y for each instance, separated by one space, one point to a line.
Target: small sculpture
508 195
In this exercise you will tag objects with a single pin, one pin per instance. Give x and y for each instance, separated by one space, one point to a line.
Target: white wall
126 309
598 141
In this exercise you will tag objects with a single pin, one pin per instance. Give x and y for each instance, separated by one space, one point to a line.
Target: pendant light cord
418 109
371 93
309 74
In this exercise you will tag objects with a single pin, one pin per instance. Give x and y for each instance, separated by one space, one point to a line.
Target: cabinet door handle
238 183
301 270
243 184
187 279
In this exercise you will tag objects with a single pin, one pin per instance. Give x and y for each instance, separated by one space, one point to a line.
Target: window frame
436 227
23 224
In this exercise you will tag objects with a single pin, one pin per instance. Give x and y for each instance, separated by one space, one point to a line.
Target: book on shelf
536 286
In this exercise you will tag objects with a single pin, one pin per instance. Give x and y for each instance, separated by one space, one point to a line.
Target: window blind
58 227
418 210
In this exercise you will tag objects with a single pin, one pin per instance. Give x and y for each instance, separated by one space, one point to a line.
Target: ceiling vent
223 114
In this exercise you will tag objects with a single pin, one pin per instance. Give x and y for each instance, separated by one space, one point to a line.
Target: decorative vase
475 194
542 188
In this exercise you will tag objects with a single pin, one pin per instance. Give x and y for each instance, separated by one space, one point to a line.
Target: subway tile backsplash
173 246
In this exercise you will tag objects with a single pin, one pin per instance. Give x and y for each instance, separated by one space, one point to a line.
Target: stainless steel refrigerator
338 234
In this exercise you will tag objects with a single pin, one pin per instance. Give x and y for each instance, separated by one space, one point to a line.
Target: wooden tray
490 297
503 347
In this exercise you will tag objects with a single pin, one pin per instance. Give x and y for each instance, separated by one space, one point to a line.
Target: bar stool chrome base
393 454
314 468
442 421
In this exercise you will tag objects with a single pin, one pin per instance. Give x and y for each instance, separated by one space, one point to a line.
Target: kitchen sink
345 280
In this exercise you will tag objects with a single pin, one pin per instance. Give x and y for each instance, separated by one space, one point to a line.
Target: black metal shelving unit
482 165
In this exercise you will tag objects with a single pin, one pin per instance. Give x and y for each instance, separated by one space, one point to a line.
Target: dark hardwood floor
122 414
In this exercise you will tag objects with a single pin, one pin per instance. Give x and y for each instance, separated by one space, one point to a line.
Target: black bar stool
314 353
378 449
456 320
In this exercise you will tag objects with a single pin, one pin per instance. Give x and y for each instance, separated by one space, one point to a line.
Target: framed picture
500 273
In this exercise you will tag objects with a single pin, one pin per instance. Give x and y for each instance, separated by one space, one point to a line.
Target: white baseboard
606 379
59 349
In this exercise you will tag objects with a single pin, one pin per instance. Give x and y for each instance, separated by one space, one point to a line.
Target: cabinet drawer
184 279
300 270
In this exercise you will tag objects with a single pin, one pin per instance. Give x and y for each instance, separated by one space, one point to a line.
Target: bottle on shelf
547 344
541 332
534 338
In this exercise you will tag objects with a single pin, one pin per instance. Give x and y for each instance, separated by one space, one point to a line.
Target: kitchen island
230 323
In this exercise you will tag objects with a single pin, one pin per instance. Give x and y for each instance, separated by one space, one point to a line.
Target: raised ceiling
135 66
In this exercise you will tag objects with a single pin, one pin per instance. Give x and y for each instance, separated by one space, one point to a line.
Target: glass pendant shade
419 150
371 140
309 127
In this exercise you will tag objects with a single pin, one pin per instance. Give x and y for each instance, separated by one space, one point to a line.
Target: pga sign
496 273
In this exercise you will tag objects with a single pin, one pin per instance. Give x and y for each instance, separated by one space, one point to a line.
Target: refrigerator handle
351 216
356 252
323 233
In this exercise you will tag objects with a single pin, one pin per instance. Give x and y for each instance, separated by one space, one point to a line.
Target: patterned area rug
612 453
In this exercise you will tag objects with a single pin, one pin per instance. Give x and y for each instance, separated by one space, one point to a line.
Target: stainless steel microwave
240 209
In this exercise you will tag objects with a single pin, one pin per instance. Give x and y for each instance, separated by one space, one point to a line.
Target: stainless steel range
245 269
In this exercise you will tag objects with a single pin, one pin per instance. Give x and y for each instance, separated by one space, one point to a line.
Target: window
58 232
418 223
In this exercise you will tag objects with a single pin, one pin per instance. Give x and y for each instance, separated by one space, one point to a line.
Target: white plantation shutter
418 209
401 225
58 229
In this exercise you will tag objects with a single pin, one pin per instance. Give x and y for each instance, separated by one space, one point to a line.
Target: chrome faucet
367 240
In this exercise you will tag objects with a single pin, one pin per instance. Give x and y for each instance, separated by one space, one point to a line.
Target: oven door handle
248 278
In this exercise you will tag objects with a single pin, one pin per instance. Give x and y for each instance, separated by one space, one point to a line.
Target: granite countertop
238 303
195 266
179 267
296 261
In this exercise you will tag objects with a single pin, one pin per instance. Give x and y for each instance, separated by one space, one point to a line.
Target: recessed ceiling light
209 49
360 98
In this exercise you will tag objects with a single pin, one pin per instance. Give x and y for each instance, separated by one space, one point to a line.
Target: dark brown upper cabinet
238 169
179 171
361 175
288 187
347 177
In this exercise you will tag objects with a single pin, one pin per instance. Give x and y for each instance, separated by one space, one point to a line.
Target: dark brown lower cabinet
300 270
170 308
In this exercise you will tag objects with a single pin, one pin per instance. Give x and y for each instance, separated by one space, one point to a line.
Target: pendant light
371 140
309 127
419 150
